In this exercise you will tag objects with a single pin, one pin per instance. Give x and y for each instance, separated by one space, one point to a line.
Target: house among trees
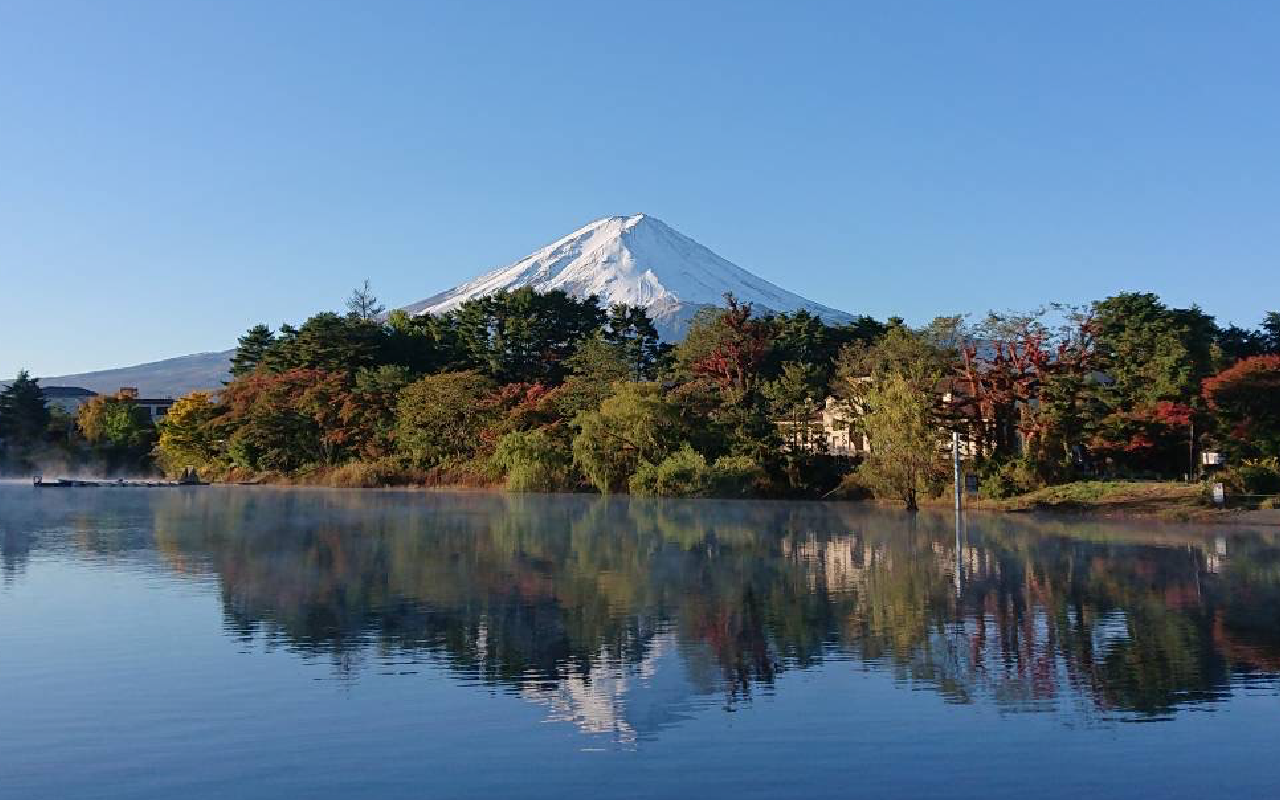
829 428
841 437
155 408
67 398
71 398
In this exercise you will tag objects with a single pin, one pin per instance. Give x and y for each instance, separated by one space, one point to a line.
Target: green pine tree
632 331
252 350
24 415
1271 328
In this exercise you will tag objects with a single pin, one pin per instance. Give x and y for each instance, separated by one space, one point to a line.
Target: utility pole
1191 449
955 458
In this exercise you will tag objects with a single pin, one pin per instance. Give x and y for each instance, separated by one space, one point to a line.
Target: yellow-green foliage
188 439
686 473
635 425
736 476
117 429
534 461
906 458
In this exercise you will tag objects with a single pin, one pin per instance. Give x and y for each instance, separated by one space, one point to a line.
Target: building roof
66 392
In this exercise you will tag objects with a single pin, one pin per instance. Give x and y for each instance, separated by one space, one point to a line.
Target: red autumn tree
287 420
1016 377
1245 400
734 364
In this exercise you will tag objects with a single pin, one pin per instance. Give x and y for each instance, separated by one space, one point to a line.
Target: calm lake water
261 643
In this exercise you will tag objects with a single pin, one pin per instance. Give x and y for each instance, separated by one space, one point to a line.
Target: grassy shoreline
1174 502
1167 501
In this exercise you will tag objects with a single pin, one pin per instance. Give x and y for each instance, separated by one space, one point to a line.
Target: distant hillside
172 377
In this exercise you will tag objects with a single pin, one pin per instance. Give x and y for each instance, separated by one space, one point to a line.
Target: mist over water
54 468
261 642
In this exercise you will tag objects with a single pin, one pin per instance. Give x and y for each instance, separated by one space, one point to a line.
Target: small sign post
1219 495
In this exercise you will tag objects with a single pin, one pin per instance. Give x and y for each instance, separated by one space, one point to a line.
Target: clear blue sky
173 172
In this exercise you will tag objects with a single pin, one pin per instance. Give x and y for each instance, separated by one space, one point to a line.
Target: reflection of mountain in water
624 616
624 701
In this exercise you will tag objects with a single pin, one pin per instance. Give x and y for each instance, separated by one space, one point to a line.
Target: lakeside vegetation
548 392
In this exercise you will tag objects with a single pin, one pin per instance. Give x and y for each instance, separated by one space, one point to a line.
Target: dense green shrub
1259 476
1000 479
439 418
684 473
735 476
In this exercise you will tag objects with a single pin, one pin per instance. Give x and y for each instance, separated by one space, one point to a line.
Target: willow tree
906 455
891 393
634 426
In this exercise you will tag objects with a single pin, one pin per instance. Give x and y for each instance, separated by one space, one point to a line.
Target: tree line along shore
547 392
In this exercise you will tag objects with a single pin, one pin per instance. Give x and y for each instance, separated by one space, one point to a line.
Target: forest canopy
550 392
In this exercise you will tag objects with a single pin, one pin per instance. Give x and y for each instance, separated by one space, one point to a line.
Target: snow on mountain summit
638 260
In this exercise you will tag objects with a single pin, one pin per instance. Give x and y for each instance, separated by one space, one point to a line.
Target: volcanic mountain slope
638 260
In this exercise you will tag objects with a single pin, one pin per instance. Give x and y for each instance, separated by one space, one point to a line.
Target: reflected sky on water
407 644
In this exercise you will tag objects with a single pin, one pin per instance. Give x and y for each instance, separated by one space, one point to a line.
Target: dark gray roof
66 392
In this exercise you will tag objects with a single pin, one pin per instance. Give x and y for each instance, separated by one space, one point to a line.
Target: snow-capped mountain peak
638 260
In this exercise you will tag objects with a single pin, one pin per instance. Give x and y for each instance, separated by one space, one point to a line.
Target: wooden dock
78 483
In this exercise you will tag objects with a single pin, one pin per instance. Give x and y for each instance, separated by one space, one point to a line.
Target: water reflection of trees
15 551
31 521
538 591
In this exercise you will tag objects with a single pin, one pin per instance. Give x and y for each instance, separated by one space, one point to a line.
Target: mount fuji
638 260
